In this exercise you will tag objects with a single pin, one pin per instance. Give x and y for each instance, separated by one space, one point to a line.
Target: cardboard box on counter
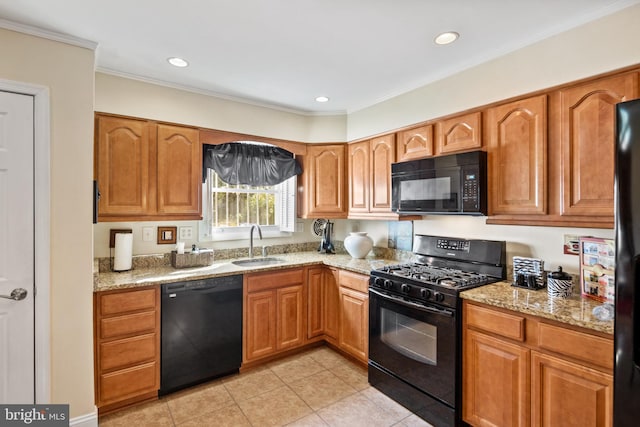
200 258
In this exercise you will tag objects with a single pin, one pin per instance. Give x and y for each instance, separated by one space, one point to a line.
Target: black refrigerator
626 398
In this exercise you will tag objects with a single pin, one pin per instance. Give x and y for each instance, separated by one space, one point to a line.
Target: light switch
147 234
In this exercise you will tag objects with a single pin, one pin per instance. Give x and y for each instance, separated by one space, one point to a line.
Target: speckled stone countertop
575 310
167 274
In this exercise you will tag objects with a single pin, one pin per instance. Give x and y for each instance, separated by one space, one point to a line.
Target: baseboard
87 420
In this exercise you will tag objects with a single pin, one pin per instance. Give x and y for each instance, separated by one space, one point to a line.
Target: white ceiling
284 53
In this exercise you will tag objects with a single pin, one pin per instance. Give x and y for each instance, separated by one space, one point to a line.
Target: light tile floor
316 388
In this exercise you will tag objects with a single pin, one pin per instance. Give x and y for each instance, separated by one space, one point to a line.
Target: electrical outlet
185 233
147 234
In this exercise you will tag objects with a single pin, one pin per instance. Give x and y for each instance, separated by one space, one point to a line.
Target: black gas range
414 322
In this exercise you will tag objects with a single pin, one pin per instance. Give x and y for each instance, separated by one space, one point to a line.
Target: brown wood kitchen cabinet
323 189
369 178
126 347
415 143
353 336
322 304
146 170
567 181
274 313
459 133
587 134
518 157
520 370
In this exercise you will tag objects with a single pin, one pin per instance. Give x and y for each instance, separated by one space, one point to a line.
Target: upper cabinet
459 133
518 157
567 180
587 135
179 165
323 182
415 143
369 178
122 148
146 170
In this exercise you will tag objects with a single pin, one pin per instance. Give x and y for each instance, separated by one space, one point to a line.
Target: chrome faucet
254 226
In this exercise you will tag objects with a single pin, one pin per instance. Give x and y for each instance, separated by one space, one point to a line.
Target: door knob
16 294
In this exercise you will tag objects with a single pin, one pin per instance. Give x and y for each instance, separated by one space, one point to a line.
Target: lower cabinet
525 371
322 303
274 313
127 347
353 335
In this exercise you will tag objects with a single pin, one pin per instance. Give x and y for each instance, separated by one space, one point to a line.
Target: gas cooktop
443 276
441 268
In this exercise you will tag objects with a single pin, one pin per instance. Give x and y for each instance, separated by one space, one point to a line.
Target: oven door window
416 345
429 191
409 337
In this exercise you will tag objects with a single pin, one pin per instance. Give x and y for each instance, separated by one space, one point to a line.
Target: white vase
358 244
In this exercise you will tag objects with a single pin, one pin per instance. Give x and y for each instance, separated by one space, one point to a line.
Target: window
230 210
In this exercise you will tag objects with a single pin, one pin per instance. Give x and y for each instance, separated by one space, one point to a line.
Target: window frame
285 211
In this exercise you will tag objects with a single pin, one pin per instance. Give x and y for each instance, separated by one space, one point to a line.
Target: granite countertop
167 274
575 310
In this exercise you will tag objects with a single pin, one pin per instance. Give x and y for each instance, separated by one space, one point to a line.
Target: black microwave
450 184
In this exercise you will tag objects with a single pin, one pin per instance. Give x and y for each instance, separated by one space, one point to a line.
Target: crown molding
46 34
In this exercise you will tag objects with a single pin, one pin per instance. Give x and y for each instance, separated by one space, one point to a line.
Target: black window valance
249 164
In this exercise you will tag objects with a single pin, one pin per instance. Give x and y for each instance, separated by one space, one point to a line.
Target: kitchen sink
257 262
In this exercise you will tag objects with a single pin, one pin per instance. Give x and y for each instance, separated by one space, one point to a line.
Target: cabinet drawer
579 345
130 382
123 302
125 352
112 327
259 282
496 322
354 281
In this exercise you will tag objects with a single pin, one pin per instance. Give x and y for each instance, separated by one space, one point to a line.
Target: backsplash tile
159 260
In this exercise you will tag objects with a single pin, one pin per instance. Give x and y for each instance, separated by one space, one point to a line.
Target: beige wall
140 99
603 45
68 72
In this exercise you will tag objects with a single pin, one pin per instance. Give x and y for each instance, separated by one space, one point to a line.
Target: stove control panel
453 245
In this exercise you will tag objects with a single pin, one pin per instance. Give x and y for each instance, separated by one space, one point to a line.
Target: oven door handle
430 309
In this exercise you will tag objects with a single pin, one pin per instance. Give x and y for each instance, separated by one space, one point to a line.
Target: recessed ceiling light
322 99
177 62
447 37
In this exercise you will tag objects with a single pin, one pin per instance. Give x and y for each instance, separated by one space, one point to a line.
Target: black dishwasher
201 331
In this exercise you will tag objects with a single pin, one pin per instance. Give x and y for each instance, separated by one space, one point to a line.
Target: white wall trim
86 420
46 34
41 233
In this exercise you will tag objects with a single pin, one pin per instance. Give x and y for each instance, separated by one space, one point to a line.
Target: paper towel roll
123 252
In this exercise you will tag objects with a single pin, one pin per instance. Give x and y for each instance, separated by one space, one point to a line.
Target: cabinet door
260 322
415 143
354 323
331 304
359 154
588 138
383 152
179 170
290 317
518 157
315 302
495 383
560 388
325 181
122 166
460 133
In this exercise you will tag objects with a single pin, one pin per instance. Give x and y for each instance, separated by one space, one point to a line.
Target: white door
16 248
